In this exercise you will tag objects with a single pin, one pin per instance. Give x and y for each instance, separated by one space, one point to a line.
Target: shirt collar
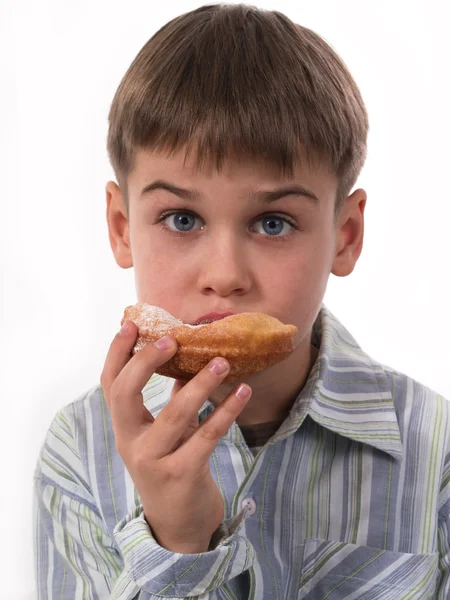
347 392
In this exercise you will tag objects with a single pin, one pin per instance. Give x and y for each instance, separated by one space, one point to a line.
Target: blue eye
273 225
184 221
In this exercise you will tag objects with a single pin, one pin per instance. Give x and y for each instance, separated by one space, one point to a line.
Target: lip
210 317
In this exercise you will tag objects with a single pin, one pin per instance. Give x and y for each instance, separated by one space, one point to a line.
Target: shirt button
250 505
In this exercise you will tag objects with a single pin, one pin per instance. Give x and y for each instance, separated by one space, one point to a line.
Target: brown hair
236 80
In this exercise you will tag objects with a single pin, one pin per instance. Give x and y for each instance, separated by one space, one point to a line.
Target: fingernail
218 366
125 327
243 392
164 343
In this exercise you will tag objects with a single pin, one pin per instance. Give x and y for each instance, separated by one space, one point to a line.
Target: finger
179 413
193 423
128 412
119 354
178 385
203 442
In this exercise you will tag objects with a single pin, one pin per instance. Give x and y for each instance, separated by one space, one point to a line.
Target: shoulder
410 394
423 417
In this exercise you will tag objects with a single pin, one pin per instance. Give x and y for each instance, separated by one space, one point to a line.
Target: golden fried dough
249 341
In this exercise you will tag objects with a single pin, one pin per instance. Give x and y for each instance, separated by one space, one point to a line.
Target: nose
224 266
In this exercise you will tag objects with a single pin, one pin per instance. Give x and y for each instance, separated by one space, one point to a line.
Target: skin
226 261
229 267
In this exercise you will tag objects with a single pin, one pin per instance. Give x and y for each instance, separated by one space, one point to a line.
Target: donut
249 341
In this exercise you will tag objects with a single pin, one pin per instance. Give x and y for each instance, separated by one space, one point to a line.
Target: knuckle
229 408
141 462
116 390
174 469
164 470
173 416
210 432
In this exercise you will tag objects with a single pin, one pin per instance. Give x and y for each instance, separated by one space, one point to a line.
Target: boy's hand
168 457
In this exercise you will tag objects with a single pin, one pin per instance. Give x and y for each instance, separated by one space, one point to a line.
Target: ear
118 226
349 233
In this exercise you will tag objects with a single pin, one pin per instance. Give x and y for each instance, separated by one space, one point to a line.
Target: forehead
236 173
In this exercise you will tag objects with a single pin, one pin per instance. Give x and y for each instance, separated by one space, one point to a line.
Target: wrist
190 547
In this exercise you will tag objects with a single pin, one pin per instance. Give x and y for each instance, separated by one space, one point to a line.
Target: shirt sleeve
160 572
77 558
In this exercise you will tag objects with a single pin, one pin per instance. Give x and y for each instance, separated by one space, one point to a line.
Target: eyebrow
264 197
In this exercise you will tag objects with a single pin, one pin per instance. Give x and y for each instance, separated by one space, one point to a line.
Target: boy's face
236 253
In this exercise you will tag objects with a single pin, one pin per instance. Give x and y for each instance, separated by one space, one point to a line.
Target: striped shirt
349 498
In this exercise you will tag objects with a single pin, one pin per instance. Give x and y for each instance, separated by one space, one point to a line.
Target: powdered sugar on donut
154 320
157 320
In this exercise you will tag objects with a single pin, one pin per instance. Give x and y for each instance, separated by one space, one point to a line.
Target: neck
275 389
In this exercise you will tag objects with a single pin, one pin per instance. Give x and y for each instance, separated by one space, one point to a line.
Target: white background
62 294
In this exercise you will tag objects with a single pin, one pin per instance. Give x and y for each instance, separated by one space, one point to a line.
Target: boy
324 476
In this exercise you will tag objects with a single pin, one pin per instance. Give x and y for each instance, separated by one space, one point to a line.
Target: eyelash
265 216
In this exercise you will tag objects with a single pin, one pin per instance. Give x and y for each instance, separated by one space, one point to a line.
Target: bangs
235 81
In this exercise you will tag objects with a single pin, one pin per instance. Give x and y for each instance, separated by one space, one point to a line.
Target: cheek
150 256
160 274
303 281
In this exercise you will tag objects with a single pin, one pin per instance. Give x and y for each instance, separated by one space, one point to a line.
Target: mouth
211 317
